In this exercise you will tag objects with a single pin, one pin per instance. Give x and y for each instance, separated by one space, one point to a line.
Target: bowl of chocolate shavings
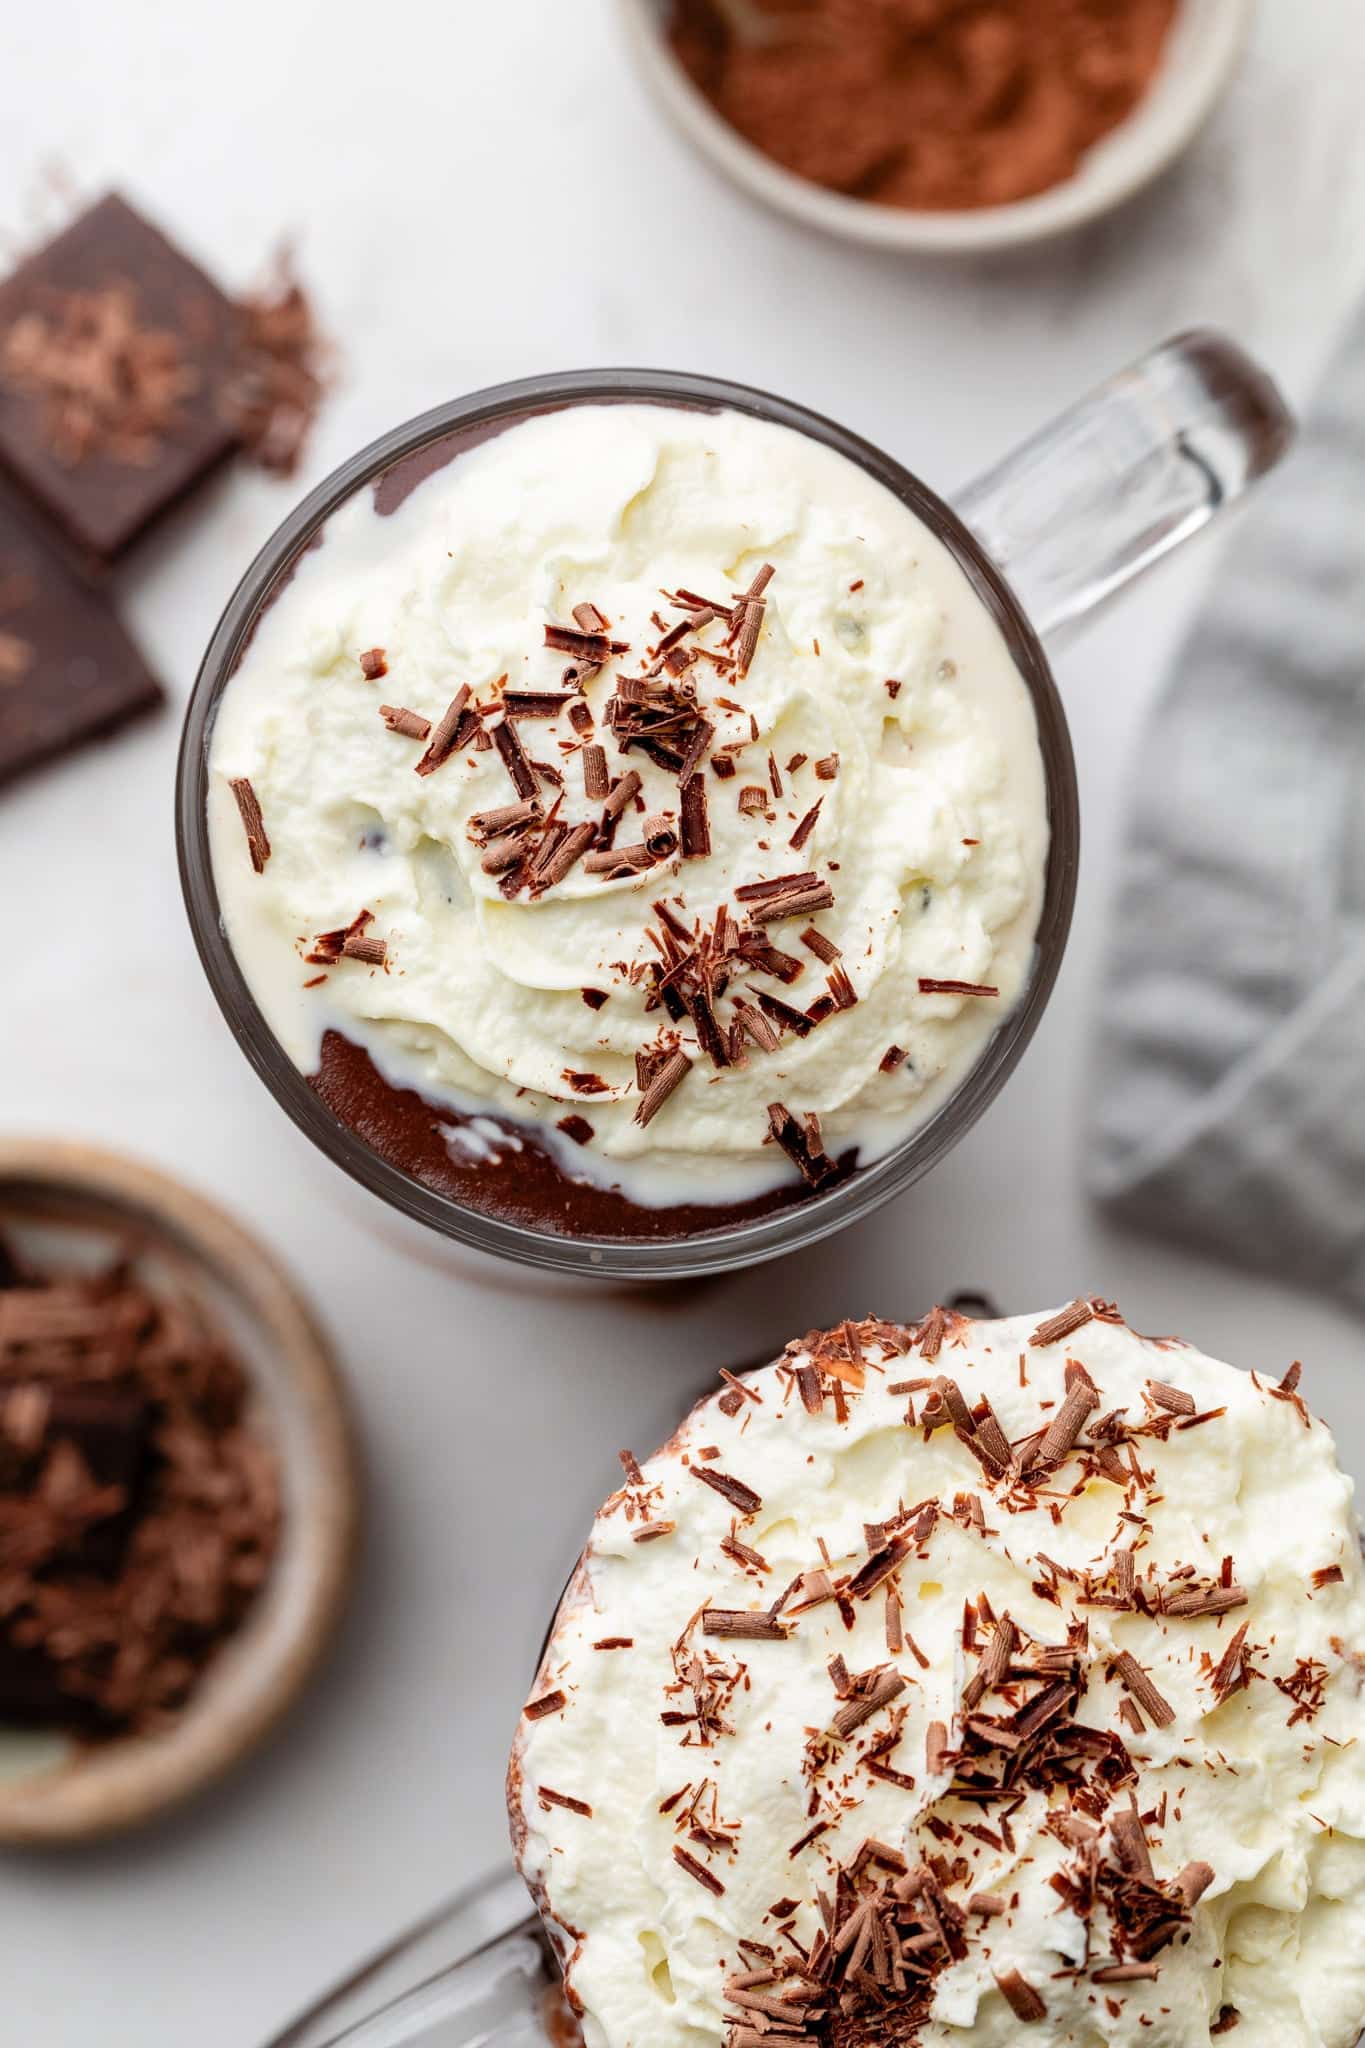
938 126
178 1492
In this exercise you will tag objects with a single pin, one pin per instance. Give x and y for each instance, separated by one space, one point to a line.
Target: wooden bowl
71 1202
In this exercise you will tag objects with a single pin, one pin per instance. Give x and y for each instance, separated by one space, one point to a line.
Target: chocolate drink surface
638 824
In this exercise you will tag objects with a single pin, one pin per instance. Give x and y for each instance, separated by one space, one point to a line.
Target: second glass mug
1043 537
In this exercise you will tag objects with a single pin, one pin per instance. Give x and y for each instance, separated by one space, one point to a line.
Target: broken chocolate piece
77 674
114 349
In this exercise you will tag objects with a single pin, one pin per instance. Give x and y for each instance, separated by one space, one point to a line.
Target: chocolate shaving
930 1333
806 826
549 1797
746 621
374 664
842 989
756 1026
823 948
1064 1324
986 1905
1213 1600
410 724
1130 1842
1192 1883
1066 1425
703 1876
590 647
1024 2002
534 703
373 952
783 1014
796 903
257 839
576 1127
1230 1669
280 371
795 1139
625 787
779 885
663 1081
565 854
548 1703
756 1626
507 740
596 782
443 740
694 823
616 861
506 856
886 1684
735 1491
931 985
1174 1399
329 946
878 1568
994 1663
1138 1682
514 818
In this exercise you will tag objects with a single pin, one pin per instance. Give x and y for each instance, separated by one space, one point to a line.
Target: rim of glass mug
737 1245
715 1251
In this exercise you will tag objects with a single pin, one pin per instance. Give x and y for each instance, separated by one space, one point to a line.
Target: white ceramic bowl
1203 49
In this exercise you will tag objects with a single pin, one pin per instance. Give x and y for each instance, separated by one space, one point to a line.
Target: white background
479 192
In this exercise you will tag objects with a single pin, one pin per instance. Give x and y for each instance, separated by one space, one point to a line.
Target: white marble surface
481 192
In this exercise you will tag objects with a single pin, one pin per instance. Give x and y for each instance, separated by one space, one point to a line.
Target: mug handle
1119 479
477 1970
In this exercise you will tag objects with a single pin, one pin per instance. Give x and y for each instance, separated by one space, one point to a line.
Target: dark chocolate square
107 496
68 670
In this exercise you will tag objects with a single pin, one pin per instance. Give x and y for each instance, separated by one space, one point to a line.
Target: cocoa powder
924 103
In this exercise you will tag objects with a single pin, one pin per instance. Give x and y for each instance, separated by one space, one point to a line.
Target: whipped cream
879 688
1164 1619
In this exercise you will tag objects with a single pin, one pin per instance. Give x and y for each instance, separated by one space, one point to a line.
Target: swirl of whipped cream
880 707
951 1678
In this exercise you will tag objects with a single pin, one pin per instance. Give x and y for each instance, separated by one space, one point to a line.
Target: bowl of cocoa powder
178 1494
951 126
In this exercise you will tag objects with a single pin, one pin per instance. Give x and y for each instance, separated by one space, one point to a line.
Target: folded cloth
1230 1104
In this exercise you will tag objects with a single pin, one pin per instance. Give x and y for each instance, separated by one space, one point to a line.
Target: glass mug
1043 537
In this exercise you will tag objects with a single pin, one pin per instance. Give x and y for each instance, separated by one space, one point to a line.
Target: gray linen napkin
1230 1085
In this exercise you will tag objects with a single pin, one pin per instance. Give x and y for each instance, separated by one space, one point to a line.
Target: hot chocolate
633 824
936 1681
